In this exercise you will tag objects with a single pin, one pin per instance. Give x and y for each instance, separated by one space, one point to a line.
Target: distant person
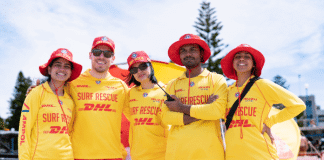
194 114
312 123
303 146
45 128
245 137
148 134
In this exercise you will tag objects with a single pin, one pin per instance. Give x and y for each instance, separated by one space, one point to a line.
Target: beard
190 62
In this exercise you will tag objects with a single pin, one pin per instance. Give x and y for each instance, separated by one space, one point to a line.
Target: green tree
208 29
280 81
18 99
2 125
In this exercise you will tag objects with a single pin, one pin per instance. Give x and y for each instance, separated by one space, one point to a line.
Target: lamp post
309 114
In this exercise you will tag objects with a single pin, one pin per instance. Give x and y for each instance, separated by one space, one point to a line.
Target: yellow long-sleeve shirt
243 138
43 133
147 135
200 139
97 122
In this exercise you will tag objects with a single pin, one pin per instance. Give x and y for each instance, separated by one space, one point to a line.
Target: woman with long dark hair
44 128
248 135
147 134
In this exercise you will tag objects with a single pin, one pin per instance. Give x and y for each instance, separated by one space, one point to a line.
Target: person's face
60 70
101 63
190 55
243 62
142 75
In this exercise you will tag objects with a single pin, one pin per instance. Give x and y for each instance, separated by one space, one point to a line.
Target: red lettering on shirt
85 96
106 97
240 123
144 121
97 107
23 130
51 117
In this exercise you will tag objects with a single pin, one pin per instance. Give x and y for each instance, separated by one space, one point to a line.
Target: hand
212 98
268 131
175 105
33 86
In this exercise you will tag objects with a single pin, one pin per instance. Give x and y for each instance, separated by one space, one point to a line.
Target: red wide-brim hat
173 51
66 54
227 61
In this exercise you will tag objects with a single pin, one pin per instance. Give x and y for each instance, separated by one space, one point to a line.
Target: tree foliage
280 81
208 28
18 99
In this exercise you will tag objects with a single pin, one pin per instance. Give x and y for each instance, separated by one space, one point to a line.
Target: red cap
227 61
138 56
174 54
103 40
66 54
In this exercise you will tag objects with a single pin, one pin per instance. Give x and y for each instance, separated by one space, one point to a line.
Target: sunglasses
107 54
142 67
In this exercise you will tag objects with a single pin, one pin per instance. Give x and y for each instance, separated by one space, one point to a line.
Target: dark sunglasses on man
97 53
142 67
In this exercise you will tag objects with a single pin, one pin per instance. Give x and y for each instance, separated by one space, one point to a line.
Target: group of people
78 116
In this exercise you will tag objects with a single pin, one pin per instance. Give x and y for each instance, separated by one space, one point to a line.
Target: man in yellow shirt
194 114
99 99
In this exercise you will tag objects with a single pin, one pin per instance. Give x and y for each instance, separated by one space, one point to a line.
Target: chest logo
237 94
145 94
98 82
192 84
60 102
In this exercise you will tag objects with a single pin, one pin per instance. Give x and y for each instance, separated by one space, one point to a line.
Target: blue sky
290 34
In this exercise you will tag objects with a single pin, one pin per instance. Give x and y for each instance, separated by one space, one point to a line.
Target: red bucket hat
66 54
104 41
227 61
187 39
138 56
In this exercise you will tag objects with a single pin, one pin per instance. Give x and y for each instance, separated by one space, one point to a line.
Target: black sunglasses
142 67
107 54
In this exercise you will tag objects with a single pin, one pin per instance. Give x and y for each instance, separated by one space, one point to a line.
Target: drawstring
239 98
56 89
190 82
189 87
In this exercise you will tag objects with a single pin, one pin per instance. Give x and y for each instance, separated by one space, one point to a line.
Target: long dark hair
51 64
131 79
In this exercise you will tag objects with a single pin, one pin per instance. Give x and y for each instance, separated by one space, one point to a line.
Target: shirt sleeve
276 94
170 117
215 110
126 108
27 122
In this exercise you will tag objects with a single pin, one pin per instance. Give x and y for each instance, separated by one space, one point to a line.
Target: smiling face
60 70
100 63
243 62
190 55
142 75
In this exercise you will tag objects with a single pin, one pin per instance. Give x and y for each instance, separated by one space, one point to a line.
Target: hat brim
173 51
106 44
77 68
227 61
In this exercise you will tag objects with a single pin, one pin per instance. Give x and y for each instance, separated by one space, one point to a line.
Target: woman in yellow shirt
246 137
46 113
147 134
